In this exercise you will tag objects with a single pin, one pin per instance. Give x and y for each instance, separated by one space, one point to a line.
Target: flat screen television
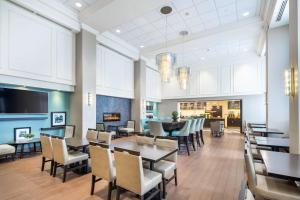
13 101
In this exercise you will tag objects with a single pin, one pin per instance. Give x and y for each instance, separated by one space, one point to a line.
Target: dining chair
105 136
144 139
259 167
62 158
156 128
102 166
144 126
69 131
129 128
131 175
202 129
183 134
216 128
92 134
193 133
197 131
168 166
245 193
264 187
100 126
47 151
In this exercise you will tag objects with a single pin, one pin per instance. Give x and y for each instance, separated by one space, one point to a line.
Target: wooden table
151 153
80 143
282 165
266 131
274 143
170 126
23 143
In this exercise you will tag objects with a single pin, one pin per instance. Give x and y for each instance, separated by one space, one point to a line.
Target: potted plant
174 116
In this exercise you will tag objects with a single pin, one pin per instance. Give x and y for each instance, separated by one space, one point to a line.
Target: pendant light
166 60
183 72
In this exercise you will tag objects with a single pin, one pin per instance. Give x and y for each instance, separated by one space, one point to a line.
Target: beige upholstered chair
7 150
128 129
105 136
245 193
144 139
259 167
69 131
62 158
100 127
132 177
167 167
102 166
269 188
47 151
156 128
91 135
217 128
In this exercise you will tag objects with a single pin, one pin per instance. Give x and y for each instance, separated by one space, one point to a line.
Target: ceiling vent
281 11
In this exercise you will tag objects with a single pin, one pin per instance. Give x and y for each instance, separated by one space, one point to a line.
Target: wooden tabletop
150 153
33 140
272 142
267 130
79 142
282 165
172 126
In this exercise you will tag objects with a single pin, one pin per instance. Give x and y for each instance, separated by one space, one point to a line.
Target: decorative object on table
174 116
58 118
165 60
23 133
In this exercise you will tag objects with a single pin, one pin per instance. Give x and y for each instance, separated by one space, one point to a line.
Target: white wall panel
209 81
226 80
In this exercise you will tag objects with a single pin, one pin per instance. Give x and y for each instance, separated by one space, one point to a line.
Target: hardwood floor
213 172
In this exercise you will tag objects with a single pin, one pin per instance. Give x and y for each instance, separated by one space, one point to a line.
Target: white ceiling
71 4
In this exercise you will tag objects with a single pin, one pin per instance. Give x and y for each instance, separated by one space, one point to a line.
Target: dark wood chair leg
187 144
43 163
159 193
118 193
201 135
54 169
198 139
175 173
93 184
65 173
164 188
51 167
110 188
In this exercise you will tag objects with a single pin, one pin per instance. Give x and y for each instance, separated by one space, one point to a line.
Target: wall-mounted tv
13 101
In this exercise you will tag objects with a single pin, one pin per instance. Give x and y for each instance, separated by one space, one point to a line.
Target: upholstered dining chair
197 130
259 167
202 129
183 134
69 131
62 158
168 166
156 128
144 126
264 187
100 126
193 133
102 166
131 175
144 139
245 193
129 128
47 151
105 136
92 134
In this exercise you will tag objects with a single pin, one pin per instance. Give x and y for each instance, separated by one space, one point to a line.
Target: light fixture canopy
183 74
165 62
90 98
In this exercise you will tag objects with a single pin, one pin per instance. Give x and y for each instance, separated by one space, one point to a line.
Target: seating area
149 99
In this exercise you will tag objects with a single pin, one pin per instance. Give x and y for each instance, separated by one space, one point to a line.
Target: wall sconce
90 99
289 82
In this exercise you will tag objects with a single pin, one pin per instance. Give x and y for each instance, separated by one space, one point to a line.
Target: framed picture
58 118
21 133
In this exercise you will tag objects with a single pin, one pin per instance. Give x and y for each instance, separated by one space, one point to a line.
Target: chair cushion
127 130
165 167
260 168
272 188
151 180
76 156
6 149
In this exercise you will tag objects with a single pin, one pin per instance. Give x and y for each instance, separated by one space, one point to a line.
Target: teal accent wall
57 101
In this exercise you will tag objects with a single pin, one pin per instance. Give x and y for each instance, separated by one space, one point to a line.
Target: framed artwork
58 119
234 105
22 133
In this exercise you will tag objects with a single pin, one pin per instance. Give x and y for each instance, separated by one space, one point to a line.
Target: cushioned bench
7 150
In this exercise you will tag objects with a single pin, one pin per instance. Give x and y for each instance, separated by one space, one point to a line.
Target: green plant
174 115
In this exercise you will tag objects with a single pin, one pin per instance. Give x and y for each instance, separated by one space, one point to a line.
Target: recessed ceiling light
142 46
118 31
245 14
78 4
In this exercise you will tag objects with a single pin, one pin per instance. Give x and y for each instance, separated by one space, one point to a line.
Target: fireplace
111 117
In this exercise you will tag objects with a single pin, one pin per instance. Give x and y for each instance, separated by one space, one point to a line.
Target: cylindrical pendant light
183 74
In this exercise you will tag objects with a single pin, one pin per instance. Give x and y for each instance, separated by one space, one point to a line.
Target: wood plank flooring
213 172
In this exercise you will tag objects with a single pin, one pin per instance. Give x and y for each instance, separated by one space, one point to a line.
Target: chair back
156 128
251 175
100 126
198 124
60 151
129 170
101 161
169 142
47 150
104 136
202 123
131 124
91 134
215 126
69 131
185 131
193 126
144 139
245 193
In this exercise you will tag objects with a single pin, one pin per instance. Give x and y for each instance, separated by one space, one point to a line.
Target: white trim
89 29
